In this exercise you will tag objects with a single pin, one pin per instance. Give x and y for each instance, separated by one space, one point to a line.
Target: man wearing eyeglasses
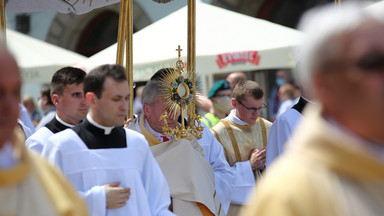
334 163
244 135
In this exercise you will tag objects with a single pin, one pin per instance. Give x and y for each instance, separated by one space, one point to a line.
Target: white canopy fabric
377 8
226 41
62 6
39 60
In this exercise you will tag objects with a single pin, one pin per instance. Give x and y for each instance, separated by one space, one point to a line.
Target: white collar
158 135
107 130
234 119
63 122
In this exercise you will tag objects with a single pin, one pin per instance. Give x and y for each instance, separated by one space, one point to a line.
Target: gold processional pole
125 37
337 2
191 58
121 34
3 36
124 42
129 55
179 89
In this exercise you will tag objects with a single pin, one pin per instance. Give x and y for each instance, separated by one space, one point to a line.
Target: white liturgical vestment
133 166
281 132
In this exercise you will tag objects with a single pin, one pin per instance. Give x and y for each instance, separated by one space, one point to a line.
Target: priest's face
71 105
249 109
10 84
111 109
153 115
352 90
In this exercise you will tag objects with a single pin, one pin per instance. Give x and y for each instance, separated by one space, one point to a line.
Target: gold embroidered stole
231 144
152 140
42 180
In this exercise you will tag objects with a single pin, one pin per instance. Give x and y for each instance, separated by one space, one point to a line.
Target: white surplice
244 178
133 166
25 121
280 133
35 142
224 176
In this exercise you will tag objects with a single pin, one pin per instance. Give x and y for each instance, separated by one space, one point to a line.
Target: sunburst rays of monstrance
179 91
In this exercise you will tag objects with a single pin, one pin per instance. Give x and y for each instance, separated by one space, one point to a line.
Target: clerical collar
107 130
158 135
300 105
7 157
94 136
63 122
234 119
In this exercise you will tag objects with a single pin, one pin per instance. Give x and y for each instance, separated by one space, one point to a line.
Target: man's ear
91 98
147 110
55 99
234 104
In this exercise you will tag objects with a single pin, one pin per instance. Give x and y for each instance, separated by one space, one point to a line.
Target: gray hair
321 25
151 92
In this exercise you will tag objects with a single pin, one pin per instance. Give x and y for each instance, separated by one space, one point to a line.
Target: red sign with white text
237 57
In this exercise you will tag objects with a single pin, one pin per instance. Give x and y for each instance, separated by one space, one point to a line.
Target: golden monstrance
179 92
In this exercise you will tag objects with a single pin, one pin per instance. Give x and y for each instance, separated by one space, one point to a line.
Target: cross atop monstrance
179 63
179 51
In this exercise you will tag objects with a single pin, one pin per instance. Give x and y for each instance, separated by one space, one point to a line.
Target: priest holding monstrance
175 145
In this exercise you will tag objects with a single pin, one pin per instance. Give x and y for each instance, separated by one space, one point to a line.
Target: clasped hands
258 158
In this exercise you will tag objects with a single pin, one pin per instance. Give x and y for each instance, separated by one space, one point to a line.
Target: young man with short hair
68 97
243 135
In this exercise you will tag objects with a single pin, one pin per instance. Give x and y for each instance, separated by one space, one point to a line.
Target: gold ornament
178 91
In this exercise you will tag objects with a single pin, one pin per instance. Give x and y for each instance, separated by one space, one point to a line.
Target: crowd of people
321 153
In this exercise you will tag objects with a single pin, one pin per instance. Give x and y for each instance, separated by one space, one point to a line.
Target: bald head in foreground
334 163
28 184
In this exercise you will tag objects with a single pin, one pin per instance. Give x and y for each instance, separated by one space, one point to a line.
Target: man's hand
258 158
116 197
126 123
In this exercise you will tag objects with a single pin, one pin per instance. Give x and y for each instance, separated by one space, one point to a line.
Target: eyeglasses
253 109
373 61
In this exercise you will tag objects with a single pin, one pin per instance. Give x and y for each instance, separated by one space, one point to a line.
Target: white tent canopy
377 8
38 60
225 41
